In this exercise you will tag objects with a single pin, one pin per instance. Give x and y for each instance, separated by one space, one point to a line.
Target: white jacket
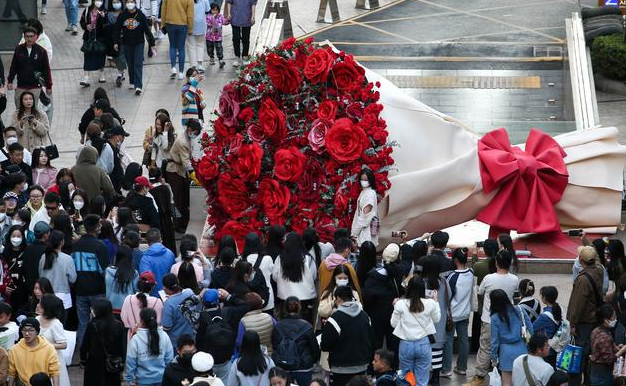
413 326
304 289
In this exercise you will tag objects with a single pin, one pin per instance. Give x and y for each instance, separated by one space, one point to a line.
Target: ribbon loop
529 182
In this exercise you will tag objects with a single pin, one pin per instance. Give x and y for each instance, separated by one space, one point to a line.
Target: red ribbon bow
530 181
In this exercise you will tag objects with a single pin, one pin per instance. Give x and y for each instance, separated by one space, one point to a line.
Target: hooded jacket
158 260
348 337
91 258
146 208
143 367
90 177
24 361
327 267
175 374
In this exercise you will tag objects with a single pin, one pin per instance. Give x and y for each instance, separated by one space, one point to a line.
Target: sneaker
158 35
102 79
44 10
74 30
222 63
174 73
119 80
446 374
181 76
85 81
459 371
246 60
476 381
131 86
137 91
68 28
236 63
211 61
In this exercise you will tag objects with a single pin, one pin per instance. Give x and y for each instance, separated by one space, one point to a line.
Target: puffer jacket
90 177
259 322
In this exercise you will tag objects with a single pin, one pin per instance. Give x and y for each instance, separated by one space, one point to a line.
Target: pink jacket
214 27
46 178
131 309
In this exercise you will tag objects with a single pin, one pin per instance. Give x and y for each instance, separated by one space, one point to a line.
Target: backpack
562 336
287 354
190 308
401 378
219 333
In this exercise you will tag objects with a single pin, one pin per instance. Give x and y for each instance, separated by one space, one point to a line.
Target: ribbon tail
558 239
495 231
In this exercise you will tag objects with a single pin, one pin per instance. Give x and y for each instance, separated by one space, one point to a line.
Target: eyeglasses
26 331
37 197
51 207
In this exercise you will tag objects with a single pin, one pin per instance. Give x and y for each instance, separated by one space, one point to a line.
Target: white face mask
25 188
98 4
3 216
11 140
365 184
16 241
78 205
612 323
130 6
341 282
18 222
117 6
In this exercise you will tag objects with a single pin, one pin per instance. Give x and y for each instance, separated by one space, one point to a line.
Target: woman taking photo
201 264
93 22
149 351
187 277
224 268
43 173
12 255
32 125
157 141
246 279
508 323
367 210
79 209
133 304
295 274
50 310
413 321
59 268
120 279
262 263
104 335
252 366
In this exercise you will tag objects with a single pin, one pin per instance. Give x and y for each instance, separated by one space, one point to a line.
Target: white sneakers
85 81
174 73
68 28
181 76
44 10
137 91
74 30
236 63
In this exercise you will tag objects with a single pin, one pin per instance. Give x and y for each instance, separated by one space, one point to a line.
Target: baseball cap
40 228
587 254
101 104
117 130
143 181
202 362
148 276
211 296
9 195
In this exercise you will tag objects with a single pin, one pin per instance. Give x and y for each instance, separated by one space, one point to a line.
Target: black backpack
219 339
287 355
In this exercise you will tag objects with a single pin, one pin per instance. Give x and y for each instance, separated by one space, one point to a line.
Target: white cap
202 362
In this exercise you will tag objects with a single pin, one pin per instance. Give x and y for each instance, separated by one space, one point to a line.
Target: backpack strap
529 310
529 376
549 315
301 332
599 301
257 262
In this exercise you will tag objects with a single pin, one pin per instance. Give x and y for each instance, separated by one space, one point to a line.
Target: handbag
113 363
570 358
51 150
525 333
92 45
449 321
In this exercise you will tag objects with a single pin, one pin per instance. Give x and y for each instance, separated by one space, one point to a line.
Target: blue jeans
416 356
134 59
83 309
71 11
221 371
601 375
461 328
177 36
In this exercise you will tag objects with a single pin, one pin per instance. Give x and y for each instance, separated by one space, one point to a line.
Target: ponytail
143 299
557 312
148 320
54 242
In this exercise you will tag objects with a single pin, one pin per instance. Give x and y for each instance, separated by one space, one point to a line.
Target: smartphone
479 244
575 232
399 234
191 253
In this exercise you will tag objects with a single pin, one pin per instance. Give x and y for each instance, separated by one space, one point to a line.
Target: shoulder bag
529 376
525 334
431 337
113 363
449 321
92 45
52 150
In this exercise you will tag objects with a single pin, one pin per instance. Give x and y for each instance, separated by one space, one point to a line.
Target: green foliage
608 56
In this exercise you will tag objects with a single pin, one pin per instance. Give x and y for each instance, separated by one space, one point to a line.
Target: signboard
13 14
612 3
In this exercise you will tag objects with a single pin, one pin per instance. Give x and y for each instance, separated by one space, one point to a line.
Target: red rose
274 198
317 66
345 141
248 164
310 184
283 75
289 164
341 202
272 120
327 110
221 129
354 110
229 105
235 229
345 75
246 114
208 168
233 195
255 132
317 135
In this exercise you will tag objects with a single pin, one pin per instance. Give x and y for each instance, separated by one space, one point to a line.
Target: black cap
101 104
30 322
117 130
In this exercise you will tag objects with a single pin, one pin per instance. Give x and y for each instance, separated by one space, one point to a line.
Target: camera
575 232
399 234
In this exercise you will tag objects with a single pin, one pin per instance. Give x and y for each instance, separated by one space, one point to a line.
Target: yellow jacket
25 361
177 12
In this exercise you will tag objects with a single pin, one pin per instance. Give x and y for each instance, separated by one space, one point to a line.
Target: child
528 303
215 21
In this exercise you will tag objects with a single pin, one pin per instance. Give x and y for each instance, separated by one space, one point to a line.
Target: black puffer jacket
291 326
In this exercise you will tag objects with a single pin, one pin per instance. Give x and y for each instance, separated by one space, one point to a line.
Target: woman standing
262 263
295 274
367 210
617 259
224 268
189 252
133 304
275 241
413 319
245 279
252 367
50 310
341 277
158 140
120 279
32 125
528 302
161 193
177 18
508 323
366 261
195 40
550 319
128 35
241 16
149 351
115 9
187 277
192 98
104 335
43 173
93 22
12 255
140 201
35 201
29 309
59 268
604 352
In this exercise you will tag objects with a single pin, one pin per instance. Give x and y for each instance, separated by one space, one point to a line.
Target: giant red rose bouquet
293 132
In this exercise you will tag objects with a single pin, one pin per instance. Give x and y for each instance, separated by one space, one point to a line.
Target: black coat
100 33
32 255
24 66
113 334
257 285
220 277
308 349
175 374
145 206
89 116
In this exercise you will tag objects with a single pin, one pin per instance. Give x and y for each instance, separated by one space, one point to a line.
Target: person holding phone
93 22
32 125
192 97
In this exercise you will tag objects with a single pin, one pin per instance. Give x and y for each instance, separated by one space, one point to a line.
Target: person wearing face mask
192 99
179 371
93 21
5 221
365 223
10 137
177 172
604 352
141 202
111 156
12 254
341 277
118 56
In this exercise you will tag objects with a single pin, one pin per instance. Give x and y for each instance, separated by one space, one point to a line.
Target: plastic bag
494 378
570 358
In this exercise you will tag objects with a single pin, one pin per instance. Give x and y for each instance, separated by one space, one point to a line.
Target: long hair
370 177
600 247
148 319
188 243
124 217
507 242
52 307
252 245
311 241
171 134
430 273
242 268
82 194
415 291
107 232
550 295
251 361
7 240
333 284
274 245
366 261
617 265
54 242
125 273
500 304
22 109
35 157
101 93
187 277
133 170
292 258
62 222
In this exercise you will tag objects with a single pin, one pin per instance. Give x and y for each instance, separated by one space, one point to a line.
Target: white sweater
266 267
304 289
413 326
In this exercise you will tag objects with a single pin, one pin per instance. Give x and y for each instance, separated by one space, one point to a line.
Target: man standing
16 157
30 60
10 137
179 371
157 259
585 300
52 203
532 369
507 282
91 257
31 355
32 254
111 157
348 337
90 177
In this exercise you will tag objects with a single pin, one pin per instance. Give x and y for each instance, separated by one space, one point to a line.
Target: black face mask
185 359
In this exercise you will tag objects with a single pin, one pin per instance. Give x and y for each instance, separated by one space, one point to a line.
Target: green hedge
608 56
